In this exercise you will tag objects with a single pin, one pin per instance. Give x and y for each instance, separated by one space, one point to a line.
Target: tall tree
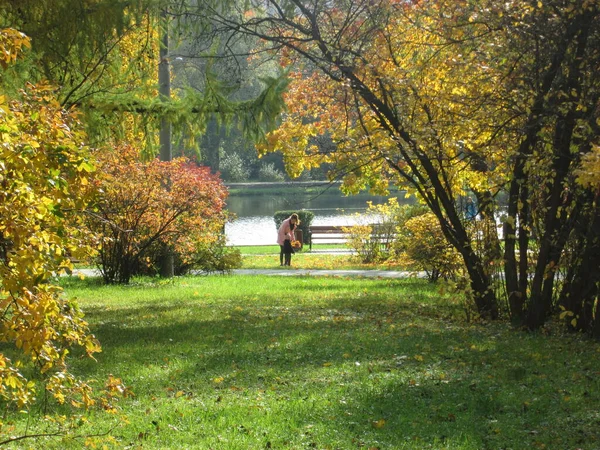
559 90
352 82
449 97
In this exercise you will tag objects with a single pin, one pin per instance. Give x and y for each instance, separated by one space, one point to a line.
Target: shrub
422 240
268 172
212 258
372 239
233 168
147 205
409 233
365 243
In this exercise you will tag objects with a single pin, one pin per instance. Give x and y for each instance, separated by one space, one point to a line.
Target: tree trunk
556 220
582 285
167 269
211 144
454 230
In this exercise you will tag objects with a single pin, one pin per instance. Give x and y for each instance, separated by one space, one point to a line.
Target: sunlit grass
253 362
272 249
267 257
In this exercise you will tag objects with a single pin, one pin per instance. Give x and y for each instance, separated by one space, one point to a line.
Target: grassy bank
233 362
274 249
315 262
267 257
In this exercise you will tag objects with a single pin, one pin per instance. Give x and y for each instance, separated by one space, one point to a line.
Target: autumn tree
352 81
558 89
44 176
106 67
446 98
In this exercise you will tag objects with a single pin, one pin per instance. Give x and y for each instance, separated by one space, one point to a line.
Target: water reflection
255 224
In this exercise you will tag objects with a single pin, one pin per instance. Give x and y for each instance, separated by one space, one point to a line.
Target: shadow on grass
371 362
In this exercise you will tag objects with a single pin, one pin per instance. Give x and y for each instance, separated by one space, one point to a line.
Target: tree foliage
422 241
446 98
44 178
106 66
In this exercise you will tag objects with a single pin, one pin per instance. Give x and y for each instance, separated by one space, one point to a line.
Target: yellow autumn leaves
43 166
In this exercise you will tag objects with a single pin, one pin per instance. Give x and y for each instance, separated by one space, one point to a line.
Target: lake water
255 224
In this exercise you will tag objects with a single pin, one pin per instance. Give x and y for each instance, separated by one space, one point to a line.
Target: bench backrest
328 228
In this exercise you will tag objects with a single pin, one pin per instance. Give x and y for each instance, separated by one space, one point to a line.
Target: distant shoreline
263 188
283 183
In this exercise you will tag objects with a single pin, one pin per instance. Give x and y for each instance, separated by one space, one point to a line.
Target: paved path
288 272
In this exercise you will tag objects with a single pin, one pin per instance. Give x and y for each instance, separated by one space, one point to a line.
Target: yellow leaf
378 423
565 314
218 380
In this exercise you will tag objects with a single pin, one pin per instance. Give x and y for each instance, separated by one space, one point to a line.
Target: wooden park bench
337 234
330 233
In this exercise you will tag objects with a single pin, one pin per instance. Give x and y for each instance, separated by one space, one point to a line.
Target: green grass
267 257
314 262
243 362
274 249
258 249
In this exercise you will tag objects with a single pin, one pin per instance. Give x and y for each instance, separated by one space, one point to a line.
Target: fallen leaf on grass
378 424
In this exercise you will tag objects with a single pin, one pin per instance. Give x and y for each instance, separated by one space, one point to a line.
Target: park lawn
267 257
274 249
259 362
301 261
